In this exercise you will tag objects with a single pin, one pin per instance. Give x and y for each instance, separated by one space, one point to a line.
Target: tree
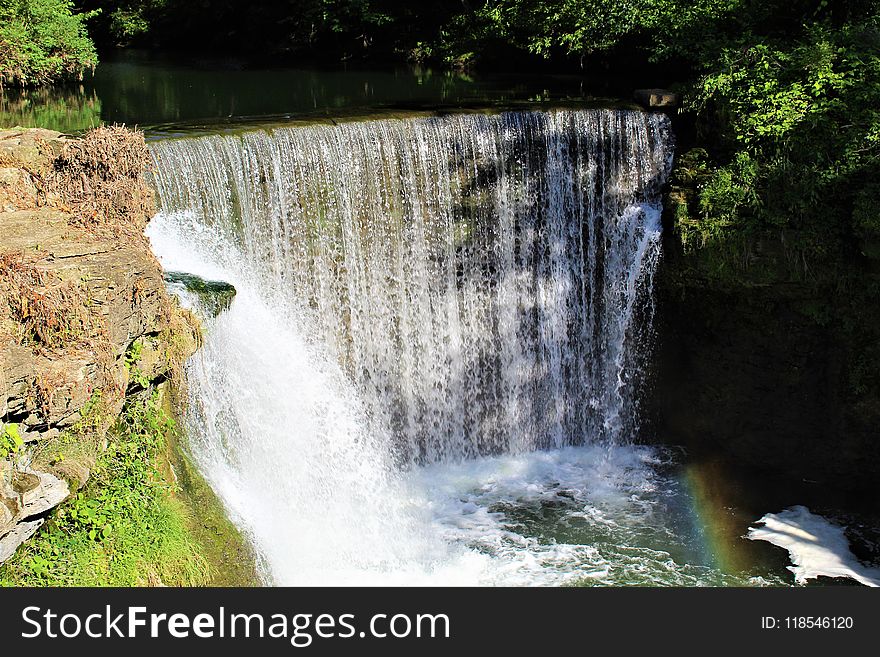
43 41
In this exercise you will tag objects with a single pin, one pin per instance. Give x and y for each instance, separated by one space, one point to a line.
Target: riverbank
88 335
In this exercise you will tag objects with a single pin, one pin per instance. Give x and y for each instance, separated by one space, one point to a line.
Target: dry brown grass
49 312
100 178
43 390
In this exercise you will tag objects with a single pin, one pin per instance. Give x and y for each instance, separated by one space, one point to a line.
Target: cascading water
436 319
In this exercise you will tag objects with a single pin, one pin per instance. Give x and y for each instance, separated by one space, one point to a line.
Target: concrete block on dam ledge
656 98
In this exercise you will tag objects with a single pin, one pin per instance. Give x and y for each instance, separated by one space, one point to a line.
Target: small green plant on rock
125 528
132 357
10 441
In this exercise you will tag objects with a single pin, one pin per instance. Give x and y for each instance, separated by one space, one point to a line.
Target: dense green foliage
43 41
125 528
790 130
313 29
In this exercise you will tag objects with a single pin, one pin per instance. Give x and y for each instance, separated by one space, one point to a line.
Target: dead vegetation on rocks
101 178
85 320
48 312
97 179
79 285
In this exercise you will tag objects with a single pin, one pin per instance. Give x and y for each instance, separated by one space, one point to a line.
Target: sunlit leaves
43 41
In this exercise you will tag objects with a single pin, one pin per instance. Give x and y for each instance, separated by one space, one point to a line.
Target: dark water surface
139 88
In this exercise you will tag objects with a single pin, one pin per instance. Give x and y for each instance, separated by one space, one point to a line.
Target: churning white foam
505 509
818 547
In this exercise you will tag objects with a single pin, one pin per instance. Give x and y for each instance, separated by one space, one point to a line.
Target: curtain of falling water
484 280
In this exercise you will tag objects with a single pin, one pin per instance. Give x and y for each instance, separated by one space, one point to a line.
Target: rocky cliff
769 357
84 315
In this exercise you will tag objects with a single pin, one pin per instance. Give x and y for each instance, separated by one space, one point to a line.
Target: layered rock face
84 315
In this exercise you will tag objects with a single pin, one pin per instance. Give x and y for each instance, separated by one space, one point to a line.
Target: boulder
22 532
656 98
213 296
25 497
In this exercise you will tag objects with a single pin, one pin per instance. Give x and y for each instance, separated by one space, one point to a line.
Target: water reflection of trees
70 108
139 88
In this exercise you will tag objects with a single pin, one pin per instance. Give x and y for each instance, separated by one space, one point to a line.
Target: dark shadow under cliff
771 364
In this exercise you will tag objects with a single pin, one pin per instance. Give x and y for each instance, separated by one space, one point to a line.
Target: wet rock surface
214 296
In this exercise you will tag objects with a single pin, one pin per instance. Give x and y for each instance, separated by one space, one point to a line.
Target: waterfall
411 293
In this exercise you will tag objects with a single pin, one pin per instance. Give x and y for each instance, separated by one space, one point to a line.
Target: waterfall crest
484 280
